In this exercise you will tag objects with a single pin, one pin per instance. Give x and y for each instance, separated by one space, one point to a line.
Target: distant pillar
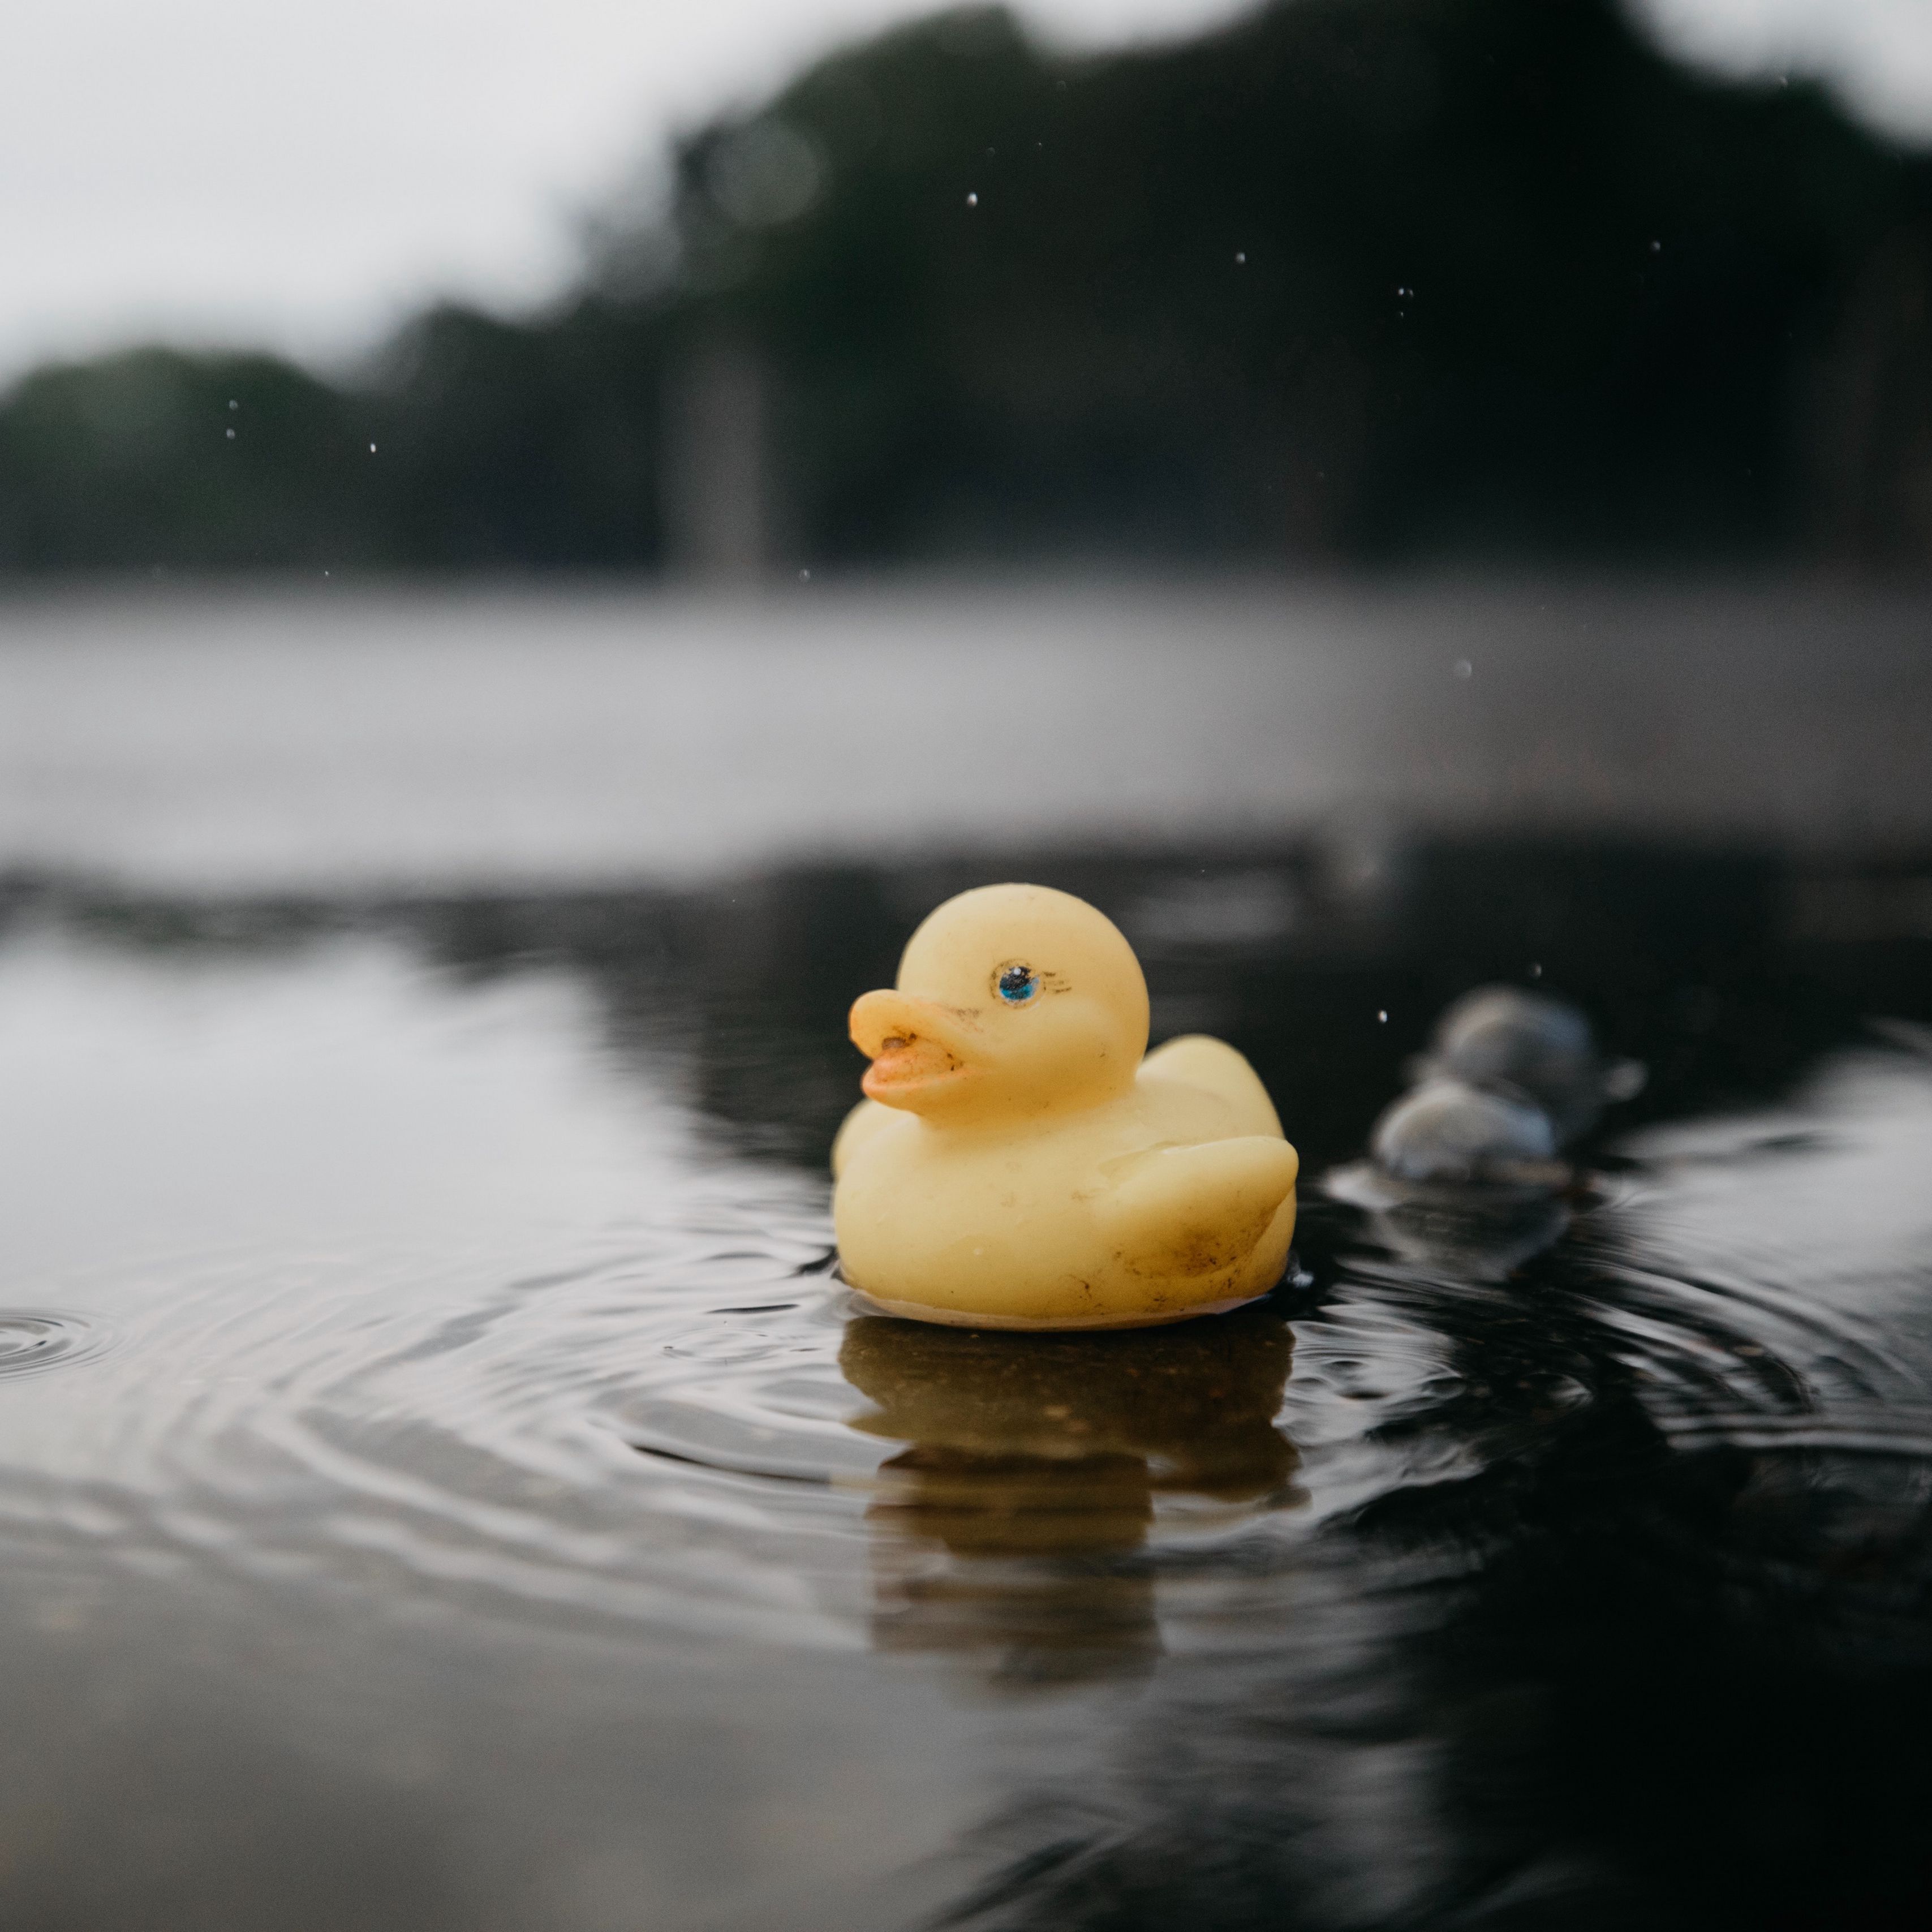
716 480
1871 441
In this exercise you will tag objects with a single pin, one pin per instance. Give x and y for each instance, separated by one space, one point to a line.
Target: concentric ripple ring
33 1338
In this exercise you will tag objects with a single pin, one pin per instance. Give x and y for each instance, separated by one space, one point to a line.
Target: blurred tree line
1354 279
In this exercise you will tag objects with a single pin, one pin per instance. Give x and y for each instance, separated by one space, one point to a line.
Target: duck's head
1012 1000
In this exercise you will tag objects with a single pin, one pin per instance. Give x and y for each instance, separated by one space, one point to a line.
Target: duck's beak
915 1045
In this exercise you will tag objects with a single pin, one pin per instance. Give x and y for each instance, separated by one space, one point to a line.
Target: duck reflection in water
1008 1527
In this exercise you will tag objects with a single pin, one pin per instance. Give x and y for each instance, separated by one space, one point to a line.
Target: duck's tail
1195 1060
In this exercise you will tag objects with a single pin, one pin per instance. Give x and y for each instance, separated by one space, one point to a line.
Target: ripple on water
684 1423
684 1427
33 1338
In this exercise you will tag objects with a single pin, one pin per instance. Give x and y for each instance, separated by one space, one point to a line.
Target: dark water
442 1484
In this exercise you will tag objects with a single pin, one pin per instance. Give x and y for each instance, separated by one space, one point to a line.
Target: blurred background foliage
1351 280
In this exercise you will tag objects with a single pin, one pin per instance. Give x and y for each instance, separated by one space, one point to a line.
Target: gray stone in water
1448 1130
1534 1047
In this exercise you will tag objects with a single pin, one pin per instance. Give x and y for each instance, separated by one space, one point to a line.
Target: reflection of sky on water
353 741
310 1097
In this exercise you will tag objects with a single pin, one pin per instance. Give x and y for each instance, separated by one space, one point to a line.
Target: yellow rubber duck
1017 1163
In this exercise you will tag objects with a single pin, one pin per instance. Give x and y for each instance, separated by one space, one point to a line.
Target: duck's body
1016 1170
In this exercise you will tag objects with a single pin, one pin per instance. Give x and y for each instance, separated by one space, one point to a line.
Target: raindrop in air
1382 1016
1464 668
1240 257
972 201
231 436
372 449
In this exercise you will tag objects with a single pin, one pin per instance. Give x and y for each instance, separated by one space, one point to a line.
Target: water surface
442 1482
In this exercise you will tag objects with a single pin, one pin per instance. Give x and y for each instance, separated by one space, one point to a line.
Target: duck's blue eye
1017 985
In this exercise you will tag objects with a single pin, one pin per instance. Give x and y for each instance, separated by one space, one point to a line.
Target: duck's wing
1195 1060
1194 1209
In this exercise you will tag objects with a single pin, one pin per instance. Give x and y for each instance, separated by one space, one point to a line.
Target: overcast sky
301 173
